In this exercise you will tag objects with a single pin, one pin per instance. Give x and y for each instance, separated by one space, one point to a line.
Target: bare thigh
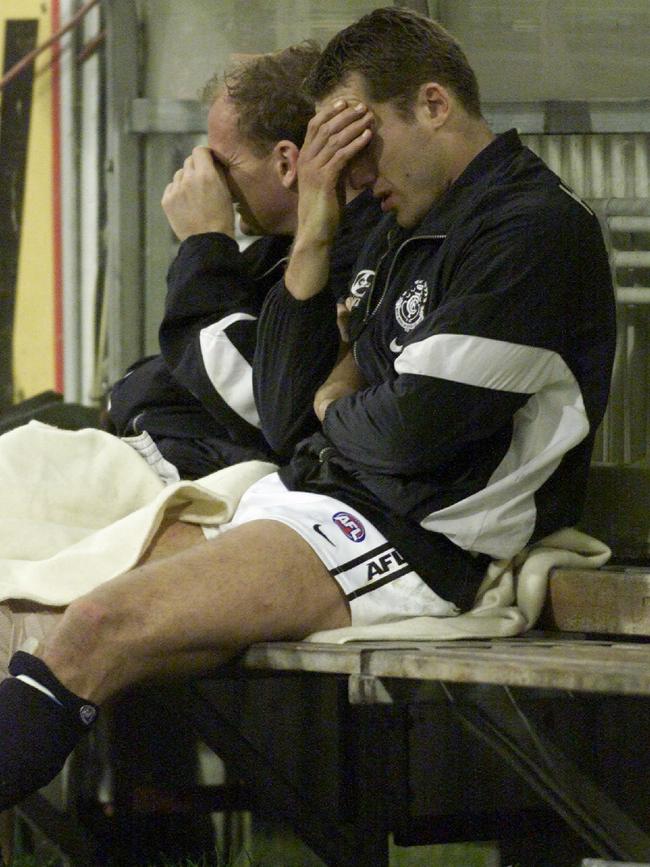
171 537
177 613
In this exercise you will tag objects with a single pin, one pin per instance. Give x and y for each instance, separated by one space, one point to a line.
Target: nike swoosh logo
320 533
394 346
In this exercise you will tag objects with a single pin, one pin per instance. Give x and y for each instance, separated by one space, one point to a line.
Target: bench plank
605 601
583 665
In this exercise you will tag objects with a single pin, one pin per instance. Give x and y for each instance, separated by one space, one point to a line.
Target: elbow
283 438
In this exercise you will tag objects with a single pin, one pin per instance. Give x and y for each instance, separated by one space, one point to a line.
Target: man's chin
249 227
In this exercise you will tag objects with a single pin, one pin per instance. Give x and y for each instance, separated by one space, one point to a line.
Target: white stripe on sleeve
228 371
499 519
483 362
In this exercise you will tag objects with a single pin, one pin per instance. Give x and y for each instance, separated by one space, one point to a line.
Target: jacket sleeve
146 384
496 338
209 329
298 341
297 346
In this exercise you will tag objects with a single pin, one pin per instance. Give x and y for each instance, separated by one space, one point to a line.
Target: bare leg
171 537
189 611
175 614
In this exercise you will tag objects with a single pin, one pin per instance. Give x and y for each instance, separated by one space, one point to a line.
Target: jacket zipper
272 268
368 314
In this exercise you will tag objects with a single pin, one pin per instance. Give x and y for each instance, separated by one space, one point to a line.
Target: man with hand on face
195 399
458 428
482 327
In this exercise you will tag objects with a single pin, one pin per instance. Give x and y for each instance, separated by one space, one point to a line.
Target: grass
36 861
457 855
271 847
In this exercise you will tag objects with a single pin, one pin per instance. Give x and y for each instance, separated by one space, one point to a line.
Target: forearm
207 280
345 379
416 424
296 350
208 333
334 137
308 270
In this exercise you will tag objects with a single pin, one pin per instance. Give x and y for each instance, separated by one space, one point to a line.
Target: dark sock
37 734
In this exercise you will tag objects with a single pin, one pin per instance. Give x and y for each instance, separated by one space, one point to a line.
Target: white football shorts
377 581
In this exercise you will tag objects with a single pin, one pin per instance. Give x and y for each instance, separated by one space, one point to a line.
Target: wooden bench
588 664
535 662
350 743
400 715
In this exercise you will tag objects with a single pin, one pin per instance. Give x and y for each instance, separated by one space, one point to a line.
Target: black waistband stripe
375 585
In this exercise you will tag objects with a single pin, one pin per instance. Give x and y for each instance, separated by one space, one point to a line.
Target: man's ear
435 101
285 161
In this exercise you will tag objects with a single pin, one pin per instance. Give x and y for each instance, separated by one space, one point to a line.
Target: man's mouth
386 201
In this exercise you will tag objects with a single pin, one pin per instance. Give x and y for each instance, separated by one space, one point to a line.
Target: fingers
335 117
200 165
198 198
202 160
338 132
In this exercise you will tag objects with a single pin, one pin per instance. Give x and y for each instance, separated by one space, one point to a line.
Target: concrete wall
521 49
188 41
554 49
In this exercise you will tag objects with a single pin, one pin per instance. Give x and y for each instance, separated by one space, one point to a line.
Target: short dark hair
396 50
268 93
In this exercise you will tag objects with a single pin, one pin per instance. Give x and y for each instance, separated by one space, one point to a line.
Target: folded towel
80 507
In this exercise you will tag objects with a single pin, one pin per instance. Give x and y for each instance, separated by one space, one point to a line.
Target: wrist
308 269
311 240
321 405
223 226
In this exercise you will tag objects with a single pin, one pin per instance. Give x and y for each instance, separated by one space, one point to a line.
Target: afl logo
350 526
362 283
409 307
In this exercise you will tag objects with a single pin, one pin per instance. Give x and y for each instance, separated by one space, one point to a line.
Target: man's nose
362 173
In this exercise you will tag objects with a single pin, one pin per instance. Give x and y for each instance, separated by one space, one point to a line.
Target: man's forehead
223 128
223 110
352 89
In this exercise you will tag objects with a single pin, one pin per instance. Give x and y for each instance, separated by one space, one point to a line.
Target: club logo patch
87 714
362 282
350 525
409 307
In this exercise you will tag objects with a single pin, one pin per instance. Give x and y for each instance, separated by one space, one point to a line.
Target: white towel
79 507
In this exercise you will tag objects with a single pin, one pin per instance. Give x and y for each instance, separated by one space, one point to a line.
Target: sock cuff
25 663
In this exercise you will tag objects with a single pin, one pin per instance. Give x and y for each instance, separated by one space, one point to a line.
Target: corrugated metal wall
612 173
598 166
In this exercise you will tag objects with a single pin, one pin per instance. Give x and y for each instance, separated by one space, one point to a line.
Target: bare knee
83 626
85 652
24 625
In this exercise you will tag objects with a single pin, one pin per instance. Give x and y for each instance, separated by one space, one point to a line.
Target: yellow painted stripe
34 327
